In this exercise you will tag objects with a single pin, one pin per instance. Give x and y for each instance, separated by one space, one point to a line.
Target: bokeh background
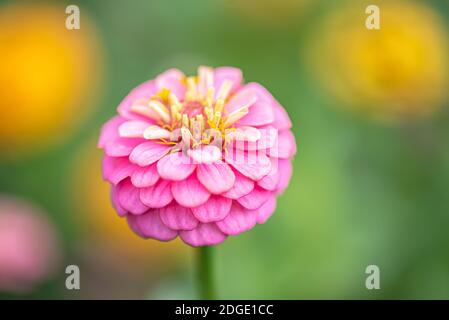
370 114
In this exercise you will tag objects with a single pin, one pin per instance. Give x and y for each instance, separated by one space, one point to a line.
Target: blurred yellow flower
47 74
397 72
101 224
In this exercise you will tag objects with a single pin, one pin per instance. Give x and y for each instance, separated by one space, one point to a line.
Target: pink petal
215 209
244 133
281 118
175 166
172 79
121 147
206 234
255 199
145 90
177 217
271 180
254 165
157 196
189 192
216 177
285 146
242 186
266 210
132 223
116 203
116 169
262 92
227 73
244 97
285 172
268 137
149 225
205 154
144 176
109 131
148 152
260 113
129 198
133 129
238 220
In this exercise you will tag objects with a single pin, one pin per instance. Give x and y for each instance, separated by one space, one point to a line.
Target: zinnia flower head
201 157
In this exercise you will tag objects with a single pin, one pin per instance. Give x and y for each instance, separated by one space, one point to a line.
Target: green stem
205 273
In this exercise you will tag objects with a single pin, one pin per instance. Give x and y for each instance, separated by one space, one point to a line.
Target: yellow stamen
186 136
235 116
191 93
210 97
224 90
185 121
164 94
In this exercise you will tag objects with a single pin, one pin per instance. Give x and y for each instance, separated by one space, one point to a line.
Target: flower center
199 118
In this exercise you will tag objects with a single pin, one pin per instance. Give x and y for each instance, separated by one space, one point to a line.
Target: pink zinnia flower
200 157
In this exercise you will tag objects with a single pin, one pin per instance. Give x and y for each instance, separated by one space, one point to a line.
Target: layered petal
242 134
175 166
157 196
242 186
116 202
148 152
206 234
245 97
129 198
285 146
150 225
238 220
116 169
285 172
144 176
267 139
259 114
217 177
254 165
133 129
205 154
109 130
189 192
143 91
121 147
215 209
281 118
266 210
255 199
271 180
177 217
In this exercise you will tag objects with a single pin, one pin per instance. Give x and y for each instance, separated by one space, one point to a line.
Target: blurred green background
369 111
